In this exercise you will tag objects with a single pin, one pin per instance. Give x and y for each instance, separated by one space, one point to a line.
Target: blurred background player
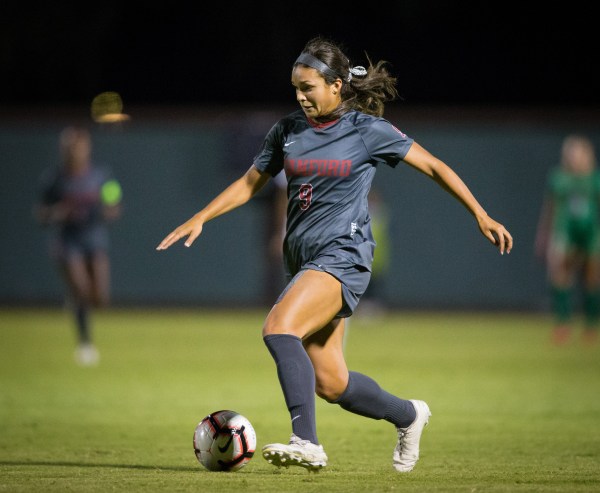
76 201
568 237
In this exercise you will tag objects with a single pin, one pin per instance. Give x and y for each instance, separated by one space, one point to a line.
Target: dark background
242 52
492 88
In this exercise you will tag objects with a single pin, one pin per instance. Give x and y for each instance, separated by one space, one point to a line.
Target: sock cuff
274 337
348 390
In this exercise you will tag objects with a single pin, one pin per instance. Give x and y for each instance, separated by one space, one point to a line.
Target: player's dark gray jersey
329 169
82 195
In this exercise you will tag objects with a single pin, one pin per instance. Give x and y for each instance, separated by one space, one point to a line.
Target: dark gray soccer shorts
354 278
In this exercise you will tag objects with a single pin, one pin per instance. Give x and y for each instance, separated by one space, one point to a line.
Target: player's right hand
190 229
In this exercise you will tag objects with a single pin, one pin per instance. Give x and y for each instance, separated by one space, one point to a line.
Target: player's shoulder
374 125
360 119
559 179
292 120
554 174
364 120
287 124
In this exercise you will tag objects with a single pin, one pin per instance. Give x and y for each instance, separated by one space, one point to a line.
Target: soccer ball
224 441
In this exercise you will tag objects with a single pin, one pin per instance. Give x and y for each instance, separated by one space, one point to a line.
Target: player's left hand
496 233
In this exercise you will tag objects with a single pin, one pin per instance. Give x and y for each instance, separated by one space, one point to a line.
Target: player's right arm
235 195
47 214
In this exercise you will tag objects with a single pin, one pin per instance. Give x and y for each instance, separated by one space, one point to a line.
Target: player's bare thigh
309 305
563 266
75 273
100 274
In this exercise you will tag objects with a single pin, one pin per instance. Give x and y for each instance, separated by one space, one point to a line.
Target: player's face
316 97
578 156
77 153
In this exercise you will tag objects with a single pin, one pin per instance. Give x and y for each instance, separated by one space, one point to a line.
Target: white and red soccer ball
224 441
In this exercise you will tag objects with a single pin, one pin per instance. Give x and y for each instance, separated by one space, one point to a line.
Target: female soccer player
568 236
78 199
330 149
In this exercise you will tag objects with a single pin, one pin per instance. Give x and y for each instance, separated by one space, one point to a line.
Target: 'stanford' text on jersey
329 169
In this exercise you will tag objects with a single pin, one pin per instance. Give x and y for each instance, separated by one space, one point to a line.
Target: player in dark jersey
330 149
568 236
77 200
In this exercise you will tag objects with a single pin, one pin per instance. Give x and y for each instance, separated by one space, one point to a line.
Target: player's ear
336 87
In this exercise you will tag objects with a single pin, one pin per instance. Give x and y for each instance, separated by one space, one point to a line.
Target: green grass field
510 411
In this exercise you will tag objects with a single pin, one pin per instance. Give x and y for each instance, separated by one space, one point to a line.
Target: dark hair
367 93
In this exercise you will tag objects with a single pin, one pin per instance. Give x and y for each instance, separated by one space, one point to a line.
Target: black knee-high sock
591 308
297 379
562 304
83 323
365 397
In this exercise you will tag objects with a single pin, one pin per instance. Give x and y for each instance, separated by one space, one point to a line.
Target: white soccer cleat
406 452
297 453
87 355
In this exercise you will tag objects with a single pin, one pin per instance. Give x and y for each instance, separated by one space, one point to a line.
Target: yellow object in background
107 107
111 192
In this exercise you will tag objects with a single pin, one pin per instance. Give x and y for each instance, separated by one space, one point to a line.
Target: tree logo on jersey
305 195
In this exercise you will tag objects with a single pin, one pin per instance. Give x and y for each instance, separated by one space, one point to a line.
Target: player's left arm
425 162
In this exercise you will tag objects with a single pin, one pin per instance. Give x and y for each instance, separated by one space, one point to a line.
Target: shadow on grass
87 464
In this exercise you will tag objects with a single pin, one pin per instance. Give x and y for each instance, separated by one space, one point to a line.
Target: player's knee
329 390
99 298
269 329
276 325
81 296
101 301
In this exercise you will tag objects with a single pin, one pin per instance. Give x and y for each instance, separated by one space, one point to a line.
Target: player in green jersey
568 237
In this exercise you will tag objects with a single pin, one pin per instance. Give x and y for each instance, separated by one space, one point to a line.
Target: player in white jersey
330 150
